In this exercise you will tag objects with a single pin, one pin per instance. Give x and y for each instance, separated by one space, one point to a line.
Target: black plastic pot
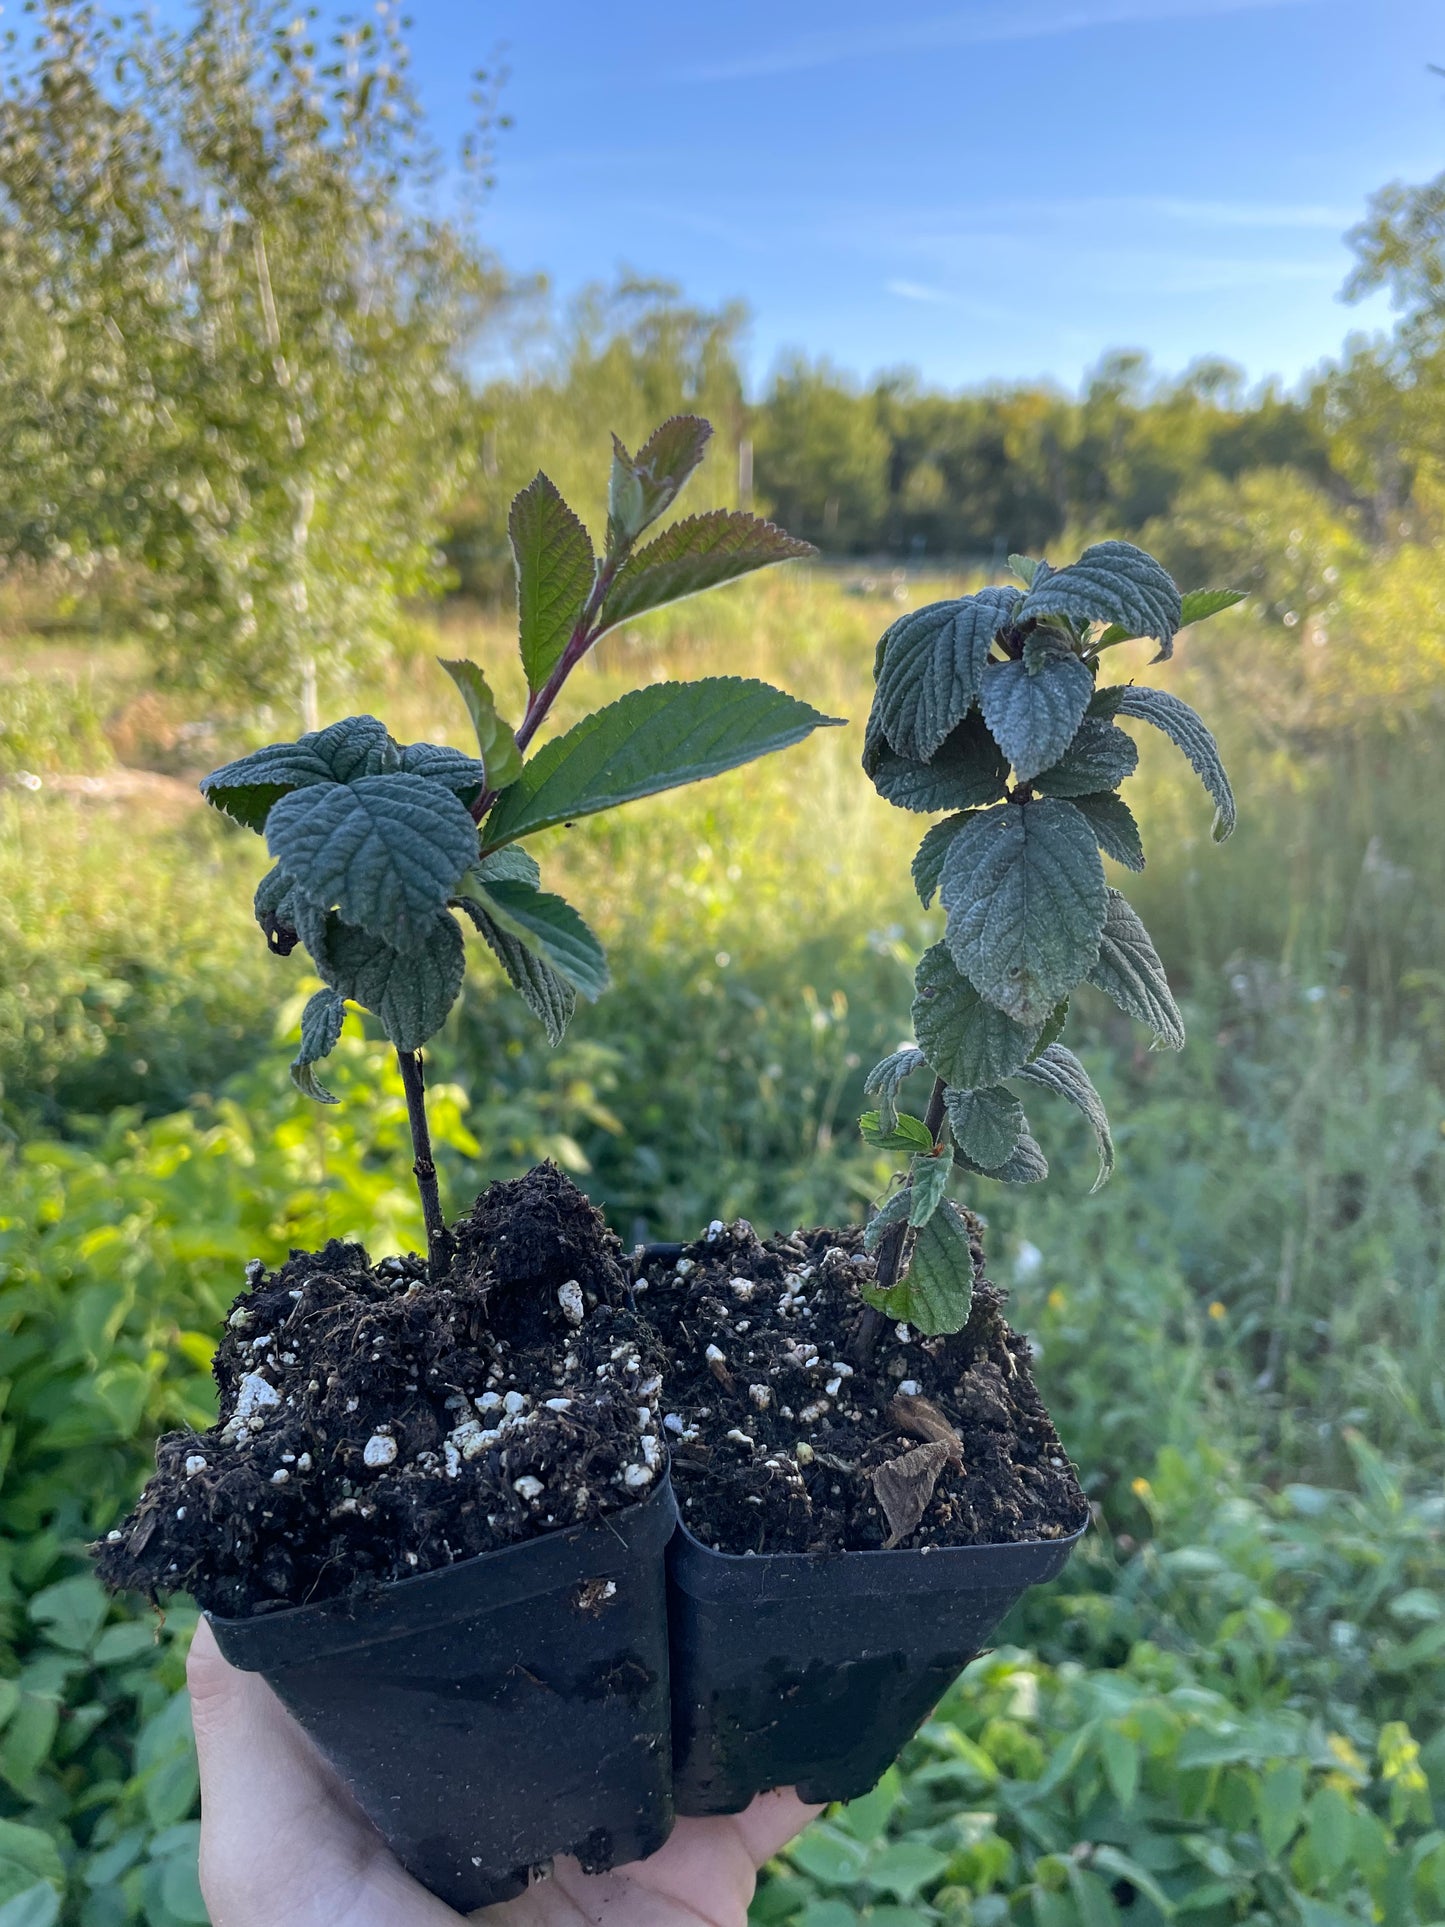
790 1669
499 1711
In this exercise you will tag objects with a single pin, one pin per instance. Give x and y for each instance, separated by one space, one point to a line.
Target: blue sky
1002 188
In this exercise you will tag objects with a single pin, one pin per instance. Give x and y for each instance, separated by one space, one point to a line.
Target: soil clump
779 1444
375 1425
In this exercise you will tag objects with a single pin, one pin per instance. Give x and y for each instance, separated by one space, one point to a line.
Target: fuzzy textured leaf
987 1124
555 570
1188 733
967 1042
893 1210
463 775
550 998
274 907
1033 713
247 788
696 554
501 759
887 1078
1115 830
1025 1164
653 739
1024 889
1058 1070
969 769
935 1294
1025 568
1112 582
547 924
511 864
321 1023
928 861
929 1182
1128 970
386 851
411 991
1099 758
932 666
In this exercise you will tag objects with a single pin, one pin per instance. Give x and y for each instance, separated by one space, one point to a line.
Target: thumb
281 1838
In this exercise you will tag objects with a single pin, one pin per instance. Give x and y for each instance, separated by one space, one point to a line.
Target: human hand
283 1844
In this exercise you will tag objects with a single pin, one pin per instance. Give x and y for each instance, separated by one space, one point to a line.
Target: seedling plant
378 846
991 708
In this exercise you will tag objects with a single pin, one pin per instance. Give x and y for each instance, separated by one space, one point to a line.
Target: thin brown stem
869 1328
438 1239
539 703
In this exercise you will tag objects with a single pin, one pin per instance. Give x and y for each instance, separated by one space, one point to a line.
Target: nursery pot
499 1711
812 1670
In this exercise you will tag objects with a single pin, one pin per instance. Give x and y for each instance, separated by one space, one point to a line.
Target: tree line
240 309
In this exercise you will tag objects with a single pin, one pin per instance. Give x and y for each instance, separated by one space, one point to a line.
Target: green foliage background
1228 1710
1239 1673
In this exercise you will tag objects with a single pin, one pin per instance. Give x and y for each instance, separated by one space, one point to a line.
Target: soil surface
779 1445
375 1425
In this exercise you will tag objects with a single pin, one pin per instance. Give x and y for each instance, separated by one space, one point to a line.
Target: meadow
1228 1709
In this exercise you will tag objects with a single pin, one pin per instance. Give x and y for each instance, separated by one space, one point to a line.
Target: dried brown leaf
920 1418
904 1488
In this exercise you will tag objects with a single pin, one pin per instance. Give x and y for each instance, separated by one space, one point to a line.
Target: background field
254 470
1228 1705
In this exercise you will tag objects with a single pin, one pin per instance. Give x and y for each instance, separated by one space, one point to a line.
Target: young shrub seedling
990 708
376 845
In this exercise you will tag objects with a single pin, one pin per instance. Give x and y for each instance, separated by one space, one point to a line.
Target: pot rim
399 1608
704 1574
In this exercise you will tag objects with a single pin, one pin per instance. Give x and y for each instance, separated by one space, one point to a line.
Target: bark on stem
438 1240
890 1257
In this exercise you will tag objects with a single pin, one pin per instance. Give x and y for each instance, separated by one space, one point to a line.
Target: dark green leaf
1099 758
274 906
321 1023
511 864
246 790
549 997
1034 713
904 1134
968 769
1112 822
932 666
463 775
1057 1069
1025 895
935 1294
72 1611
1112 582
1128 970
547 924
1053 1028
411 991
387 851
928 861
893 1210
887 1078
645 484
929 1182
1187 733
1025 1164
654 739
501 759
968 1042
986 1123
555 570
696 554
